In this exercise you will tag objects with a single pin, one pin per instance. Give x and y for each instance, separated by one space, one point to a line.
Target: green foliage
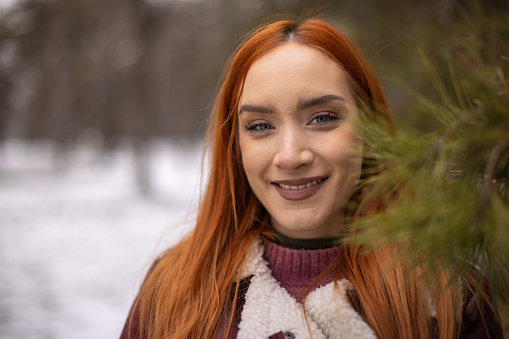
450 201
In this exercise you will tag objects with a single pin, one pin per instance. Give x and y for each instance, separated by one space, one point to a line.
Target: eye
258 126
323 118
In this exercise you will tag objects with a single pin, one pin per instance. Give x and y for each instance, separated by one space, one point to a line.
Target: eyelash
256 126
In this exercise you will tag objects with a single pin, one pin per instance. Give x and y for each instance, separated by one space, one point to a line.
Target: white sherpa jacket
269 308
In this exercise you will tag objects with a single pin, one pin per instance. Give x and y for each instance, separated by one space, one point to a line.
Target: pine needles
450 190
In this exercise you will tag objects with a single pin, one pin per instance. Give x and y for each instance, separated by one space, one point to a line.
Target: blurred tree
451 202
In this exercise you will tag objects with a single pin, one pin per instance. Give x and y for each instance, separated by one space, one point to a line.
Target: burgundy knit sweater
295 269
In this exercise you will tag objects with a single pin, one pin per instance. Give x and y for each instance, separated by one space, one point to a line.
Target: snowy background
7 3
76 237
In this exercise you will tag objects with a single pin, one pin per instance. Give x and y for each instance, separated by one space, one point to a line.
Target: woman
262 261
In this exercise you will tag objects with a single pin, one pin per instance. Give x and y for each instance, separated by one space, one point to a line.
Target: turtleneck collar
304 244
295 269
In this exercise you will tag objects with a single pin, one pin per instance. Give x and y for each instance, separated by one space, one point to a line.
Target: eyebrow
257 109
316 101
301 105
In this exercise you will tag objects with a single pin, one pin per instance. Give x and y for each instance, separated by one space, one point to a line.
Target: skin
296 121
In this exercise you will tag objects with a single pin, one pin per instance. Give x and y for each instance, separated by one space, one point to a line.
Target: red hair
188 291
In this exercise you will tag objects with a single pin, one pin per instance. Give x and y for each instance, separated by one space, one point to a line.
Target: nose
293 150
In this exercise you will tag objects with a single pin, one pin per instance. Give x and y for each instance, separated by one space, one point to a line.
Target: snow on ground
7 3
77 239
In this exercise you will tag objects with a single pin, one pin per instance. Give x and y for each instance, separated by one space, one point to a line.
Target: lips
298 189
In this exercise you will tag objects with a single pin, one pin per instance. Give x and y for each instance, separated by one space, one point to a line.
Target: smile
298 189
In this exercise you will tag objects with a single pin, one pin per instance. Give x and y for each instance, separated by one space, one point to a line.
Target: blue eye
323 118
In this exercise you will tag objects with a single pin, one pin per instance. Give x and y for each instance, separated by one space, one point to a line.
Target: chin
300 228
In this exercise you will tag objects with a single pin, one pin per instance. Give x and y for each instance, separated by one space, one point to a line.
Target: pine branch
449 202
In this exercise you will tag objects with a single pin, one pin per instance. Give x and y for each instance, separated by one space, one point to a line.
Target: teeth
295 188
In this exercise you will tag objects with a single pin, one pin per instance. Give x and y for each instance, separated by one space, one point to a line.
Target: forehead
292 69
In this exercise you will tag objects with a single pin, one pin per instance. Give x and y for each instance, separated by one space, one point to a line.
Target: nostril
293 159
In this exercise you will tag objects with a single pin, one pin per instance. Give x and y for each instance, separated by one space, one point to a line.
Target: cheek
355 160
244 153
251 158
347 157
355 166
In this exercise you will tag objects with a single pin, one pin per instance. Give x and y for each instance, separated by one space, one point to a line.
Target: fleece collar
269 308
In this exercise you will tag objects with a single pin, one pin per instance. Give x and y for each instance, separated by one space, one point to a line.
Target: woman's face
296 135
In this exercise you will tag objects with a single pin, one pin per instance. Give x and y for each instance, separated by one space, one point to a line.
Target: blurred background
103 111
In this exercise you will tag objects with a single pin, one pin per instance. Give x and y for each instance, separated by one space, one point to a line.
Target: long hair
186 293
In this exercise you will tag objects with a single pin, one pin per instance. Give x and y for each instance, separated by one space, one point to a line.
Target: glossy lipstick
298 189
